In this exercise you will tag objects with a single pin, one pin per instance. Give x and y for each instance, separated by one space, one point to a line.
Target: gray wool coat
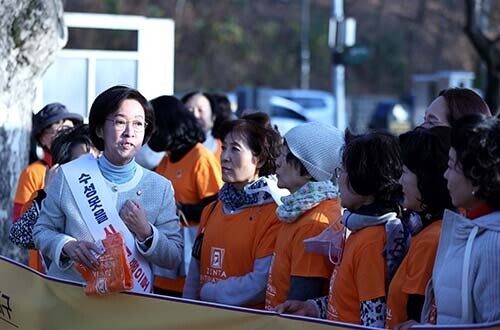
60 221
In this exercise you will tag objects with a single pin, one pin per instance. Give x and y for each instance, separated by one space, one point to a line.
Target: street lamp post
338 68
305 55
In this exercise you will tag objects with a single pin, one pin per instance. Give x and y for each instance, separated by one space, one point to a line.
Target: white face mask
329 242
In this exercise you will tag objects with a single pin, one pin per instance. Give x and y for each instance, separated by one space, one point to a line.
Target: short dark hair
110 101
190 94
296 163
208 96
373 163
476 140
262 138
425 153
68 138
462 102
176 128
222 112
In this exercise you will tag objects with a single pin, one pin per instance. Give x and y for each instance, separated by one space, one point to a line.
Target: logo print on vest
216 257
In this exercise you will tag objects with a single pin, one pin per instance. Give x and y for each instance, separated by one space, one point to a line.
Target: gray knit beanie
318 147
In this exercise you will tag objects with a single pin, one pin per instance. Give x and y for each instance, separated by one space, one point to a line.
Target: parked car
315 105
287 107
285 114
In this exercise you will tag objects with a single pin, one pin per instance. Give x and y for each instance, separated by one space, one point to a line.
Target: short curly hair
373 164
262 138
476 140
424 152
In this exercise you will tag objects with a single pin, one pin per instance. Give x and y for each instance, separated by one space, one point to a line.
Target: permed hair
262 138
373 163
476 140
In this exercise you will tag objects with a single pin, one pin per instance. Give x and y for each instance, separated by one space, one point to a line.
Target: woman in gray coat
90 198
465 286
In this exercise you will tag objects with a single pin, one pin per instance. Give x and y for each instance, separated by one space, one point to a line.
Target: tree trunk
491 93
31 31
487 51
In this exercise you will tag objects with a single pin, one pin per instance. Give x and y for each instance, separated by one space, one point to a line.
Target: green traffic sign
356 54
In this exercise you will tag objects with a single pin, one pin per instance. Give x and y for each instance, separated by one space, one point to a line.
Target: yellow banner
30 300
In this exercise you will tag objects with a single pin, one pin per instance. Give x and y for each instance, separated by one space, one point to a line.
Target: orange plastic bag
114 273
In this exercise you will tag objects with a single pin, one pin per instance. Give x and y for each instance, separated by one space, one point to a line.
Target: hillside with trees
221 45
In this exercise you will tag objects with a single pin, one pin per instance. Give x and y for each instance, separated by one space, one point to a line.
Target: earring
473 193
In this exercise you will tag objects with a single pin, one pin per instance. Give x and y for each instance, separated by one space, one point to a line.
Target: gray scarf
398 239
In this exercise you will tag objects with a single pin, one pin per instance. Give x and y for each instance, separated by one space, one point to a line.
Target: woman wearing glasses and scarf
91 198
370 192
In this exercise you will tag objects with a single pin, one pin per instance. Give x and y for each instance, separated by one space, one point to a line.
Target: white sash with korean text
93 197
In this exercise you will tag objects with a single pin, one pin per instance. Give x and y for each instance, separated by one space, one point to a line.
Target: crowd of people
372 229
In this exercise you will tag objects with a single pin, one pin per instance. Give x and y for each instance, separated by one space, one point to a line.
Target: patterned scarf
413 221
416 221
235 200
305 198
397 237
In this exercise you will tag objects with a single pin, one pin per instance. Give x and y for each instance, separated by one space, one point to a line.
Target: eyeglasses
58 126
120 124
338 171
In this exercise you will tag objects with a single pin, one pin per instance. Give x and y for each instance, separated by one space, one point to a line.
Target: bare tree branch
486 50
472 30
